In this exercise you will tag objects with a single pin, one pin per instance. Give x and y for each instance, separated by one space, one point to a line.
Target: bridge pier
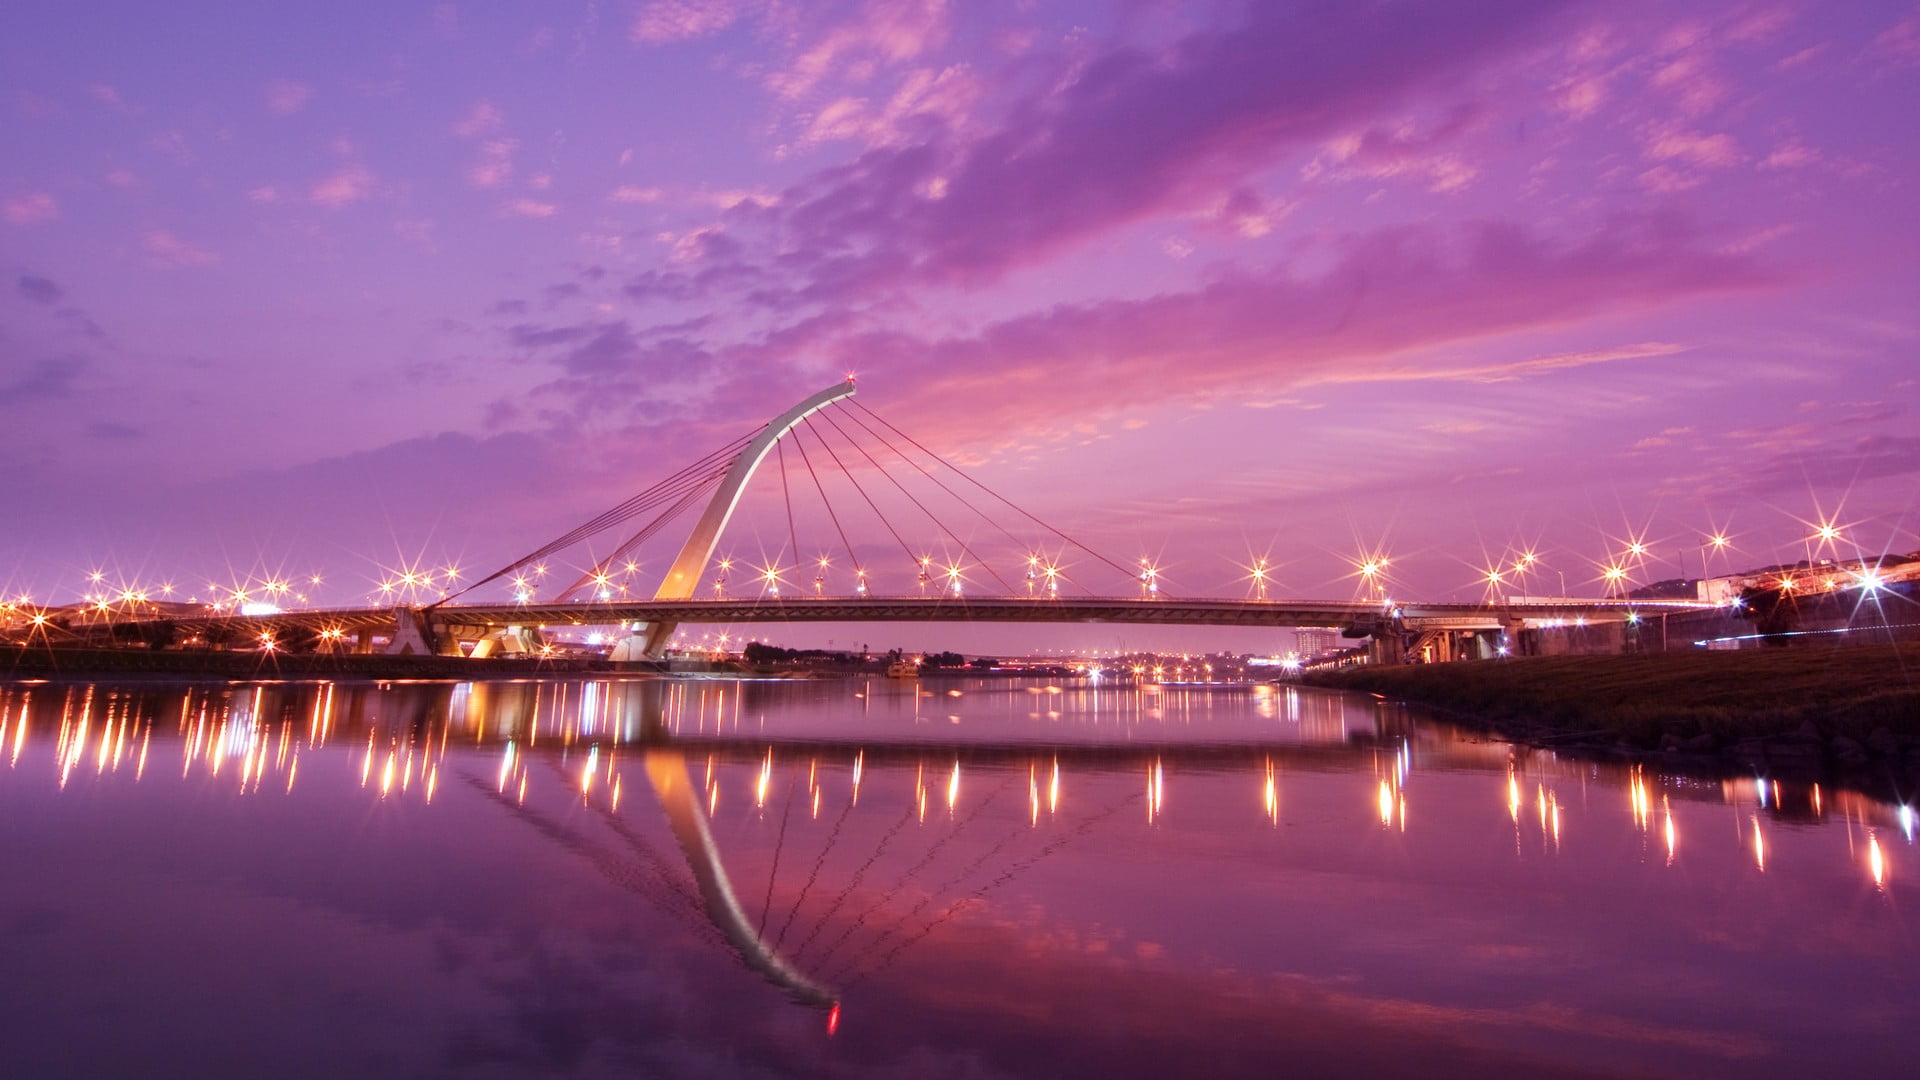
415 635
511 640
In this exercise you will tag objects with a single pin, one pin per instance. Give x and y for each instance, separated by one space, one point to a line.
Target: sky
336 289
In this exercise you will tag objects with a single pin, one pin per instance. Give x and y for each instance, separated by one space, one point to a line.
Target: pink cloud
32 208
105 95
1132 136
1387 300
1694 87
1791 154
495 164
1901 40
530 208
479 120
1402 150
891 30
664 21
1693 148
169 252
628 194
266 193
945 95
286 97
349 185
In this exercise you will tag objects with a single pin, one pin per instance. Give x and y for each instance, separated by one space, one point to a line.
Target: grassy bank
1867 695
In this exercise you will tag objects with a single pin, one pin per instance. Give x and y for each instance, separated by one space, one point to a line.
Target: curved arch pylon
683 577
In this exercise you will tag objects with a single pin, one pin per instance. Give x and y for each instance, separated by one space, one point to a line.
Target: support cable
662 491
800 445
646 533
793 540
969 552
882 440
848 473
1125 571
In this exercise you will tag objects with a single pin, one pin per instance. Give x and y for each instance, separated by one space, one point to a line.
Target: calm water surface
871 878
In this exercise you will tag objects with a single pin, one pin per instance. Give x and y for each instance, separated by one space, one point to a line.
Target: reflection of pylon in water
712 907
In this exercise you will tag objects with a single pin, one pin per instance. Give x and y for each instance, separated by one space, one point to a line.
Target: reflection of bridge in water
895 744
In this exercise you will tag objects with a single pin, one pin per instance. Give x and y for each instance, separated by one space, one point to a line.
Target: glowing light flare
1385 803
1156 789
765 781
1270 794
1759 844
1672 832
1053 793
1876 861
1513 796
953 787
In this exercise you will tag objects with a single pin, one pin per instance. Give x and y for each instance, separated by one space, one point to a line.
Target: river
965 878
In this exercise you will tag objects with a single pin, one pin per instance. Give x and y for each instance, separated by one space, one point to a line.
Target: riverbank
1849 704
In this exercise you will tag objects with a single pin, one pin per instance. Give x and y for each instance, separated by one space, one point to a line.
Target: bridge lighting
860 582
953 580
95 577
540 570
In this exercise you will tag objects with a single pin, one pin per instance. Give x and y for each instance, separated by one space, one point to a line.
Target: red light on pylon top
833 1018
853 376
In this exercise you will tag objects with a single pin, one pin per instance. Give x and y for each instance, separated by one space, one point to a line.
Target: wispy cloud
169 252
343 187
31 208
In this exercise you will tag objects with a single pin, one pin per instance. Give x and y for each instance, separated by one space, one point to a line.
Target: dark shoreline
1851 712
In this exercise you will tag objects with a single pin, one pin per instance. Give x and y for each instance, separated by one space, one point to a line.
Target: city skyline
339 290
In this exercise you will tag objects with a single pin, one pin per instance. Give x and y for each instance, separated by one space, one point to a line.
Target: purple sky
298 288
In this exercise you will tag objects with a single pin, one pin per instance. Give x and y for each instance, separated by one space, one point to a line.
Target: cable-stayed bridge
842 468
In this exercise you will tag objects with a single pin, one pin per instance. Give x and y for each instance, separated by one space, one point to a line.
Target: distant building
1315 642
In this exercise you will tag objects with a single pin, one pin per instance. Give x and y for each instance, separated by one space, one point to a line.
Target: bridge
1042 584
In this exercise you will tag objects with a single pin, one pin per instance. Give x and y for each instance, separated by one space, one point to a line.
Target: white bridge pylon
683 577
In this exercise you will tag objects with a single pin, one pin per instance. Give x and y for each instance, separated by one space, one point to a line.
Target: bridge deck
1161 611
